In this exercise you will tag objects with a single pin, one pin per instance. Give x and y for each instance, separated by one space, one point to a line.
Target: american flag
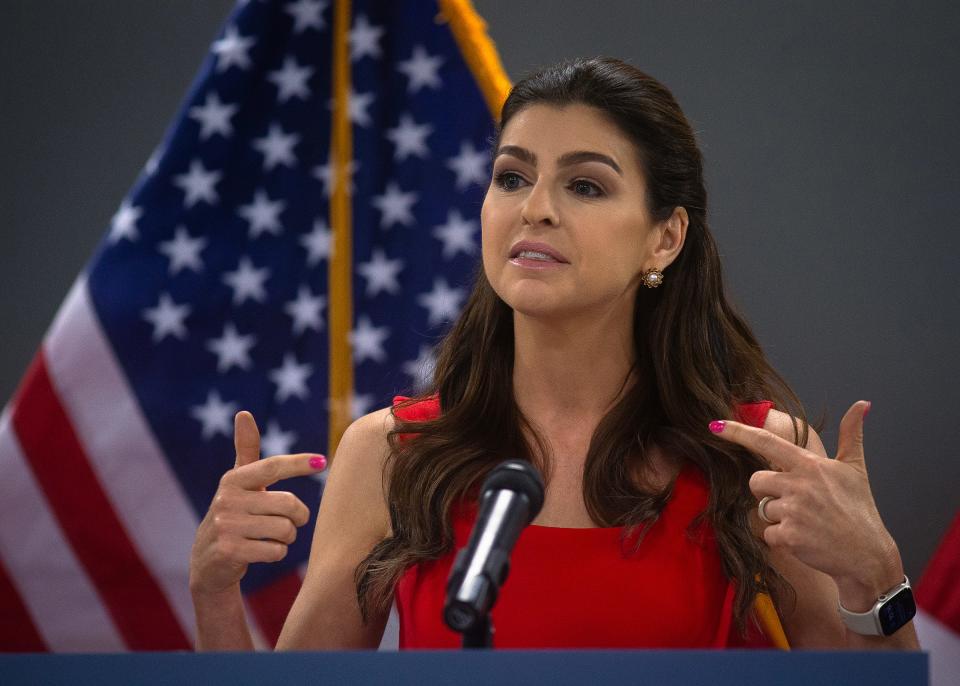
210 294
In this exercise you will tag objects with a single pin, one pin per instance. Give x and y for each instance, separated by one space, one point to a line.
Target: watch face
897 611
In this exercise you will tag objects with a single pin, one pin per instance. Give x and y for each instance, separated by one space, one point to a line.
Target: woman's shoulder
782 424
779 423
357 471
370 429
367 439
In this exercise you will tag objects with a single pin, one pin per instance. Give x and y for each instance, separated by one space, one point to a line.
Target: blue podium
530 668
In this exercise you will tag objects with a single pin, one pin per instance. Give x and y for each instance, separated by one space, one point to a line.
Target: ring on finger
762 509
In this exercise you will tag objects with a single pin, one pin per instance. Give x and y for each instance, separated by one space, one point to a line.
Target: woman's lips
532 259
534 255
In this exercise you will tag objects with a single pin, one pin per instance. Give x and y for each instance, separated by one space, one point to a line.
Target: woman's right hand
247 523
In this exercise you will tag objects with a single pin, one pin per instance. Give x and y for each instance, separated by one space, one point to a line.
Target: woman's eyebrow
579 156
566 160
521 154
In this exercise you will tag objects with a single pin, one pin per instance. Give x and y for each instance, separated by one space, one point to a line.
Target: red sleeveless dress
586 588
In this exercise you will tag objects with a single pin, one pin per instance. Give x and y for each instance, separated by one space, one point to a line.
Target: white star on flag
124 222
291 379
214 117
394 206
319 243
150 168
167 318
232 349
357 104
324 174
306 310
198 184
364 39
183 251
275 441
421 369
470 166
380 273
231 50
291 80
277 147
456 235
442 303
409 138
247 282
215 415
421 70
367 341
360 404
263 214
306 14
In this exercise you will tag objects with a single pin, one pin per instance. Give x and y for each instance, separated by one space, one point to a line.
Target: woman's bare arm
353 518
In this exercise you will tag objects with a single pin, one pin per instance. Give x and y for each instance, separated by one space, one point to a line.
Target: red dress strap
754 414
419 411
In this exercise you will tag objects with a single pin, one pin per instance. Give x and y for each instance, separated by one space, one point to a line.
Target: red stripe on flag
939 589
271 604
18 634
51 447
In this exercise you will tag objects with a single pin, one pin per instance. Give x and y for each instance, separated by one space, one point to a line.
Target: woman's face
565 224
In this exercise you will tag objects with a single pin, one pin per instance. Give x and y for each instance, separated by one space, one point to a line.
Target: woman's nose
539 207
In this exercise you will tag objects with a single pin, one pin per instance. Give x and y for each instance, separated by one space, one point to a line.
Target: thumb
246 438
850 443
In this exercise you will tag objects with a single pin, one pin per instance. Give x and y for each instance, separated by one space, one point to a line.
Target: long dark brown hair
695 358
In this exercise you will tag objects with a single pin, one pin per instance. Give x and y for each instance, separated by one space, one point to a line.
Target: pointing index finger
776 450
262 473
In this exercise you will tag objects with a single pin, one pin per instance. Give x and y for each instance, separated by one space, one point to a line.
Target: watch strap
868 623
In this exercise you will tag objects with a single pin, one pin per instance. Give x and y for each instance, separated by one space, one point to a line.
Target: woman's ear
672 234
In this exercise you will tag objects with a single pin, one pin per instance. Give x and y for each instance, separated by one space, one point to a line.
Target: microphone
510 498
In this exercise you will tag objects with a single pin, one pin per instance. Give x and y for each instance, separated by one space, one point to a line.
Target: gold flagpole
340 271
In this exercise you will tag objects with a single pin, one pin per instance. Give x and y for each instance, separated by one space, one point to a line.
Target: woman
597 343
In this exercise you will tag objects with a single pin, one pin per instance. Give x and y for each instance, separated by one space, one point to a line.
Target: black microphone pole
511 497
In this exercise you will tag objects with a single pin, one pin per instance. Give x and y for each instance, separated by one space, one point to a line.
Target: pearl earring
652 277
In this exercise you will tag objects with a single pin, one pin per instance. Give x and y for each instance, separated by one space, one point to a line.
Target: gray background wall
829 134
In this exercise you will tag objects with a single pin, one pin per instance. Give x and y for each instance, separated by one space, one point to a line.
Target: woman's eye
508 181
586 188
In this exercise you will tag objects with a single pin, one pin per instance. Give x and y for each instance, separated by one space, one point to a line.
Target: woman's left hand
823 510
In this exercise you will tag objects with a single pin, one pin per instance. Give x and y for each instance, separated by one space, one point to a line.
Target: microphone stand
480 635
476 629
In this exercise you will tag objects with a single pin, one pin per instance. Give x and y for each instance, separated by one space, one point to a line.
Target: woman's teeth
533 255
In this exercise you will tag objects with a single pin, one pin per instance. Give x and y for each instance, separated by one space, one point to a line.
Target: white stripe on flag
943 646
65 607
259 642
122 449
391 632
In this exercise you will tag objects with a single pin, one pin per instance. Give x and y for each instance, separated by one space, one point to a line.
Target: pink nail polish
866 410
717 426
318 462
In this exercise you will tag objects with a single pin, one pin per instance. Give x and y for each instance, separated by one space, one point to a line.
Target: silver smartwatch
892 610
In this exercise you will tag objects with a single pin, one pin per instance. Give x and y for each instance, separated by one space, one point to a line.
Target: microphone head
520 477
